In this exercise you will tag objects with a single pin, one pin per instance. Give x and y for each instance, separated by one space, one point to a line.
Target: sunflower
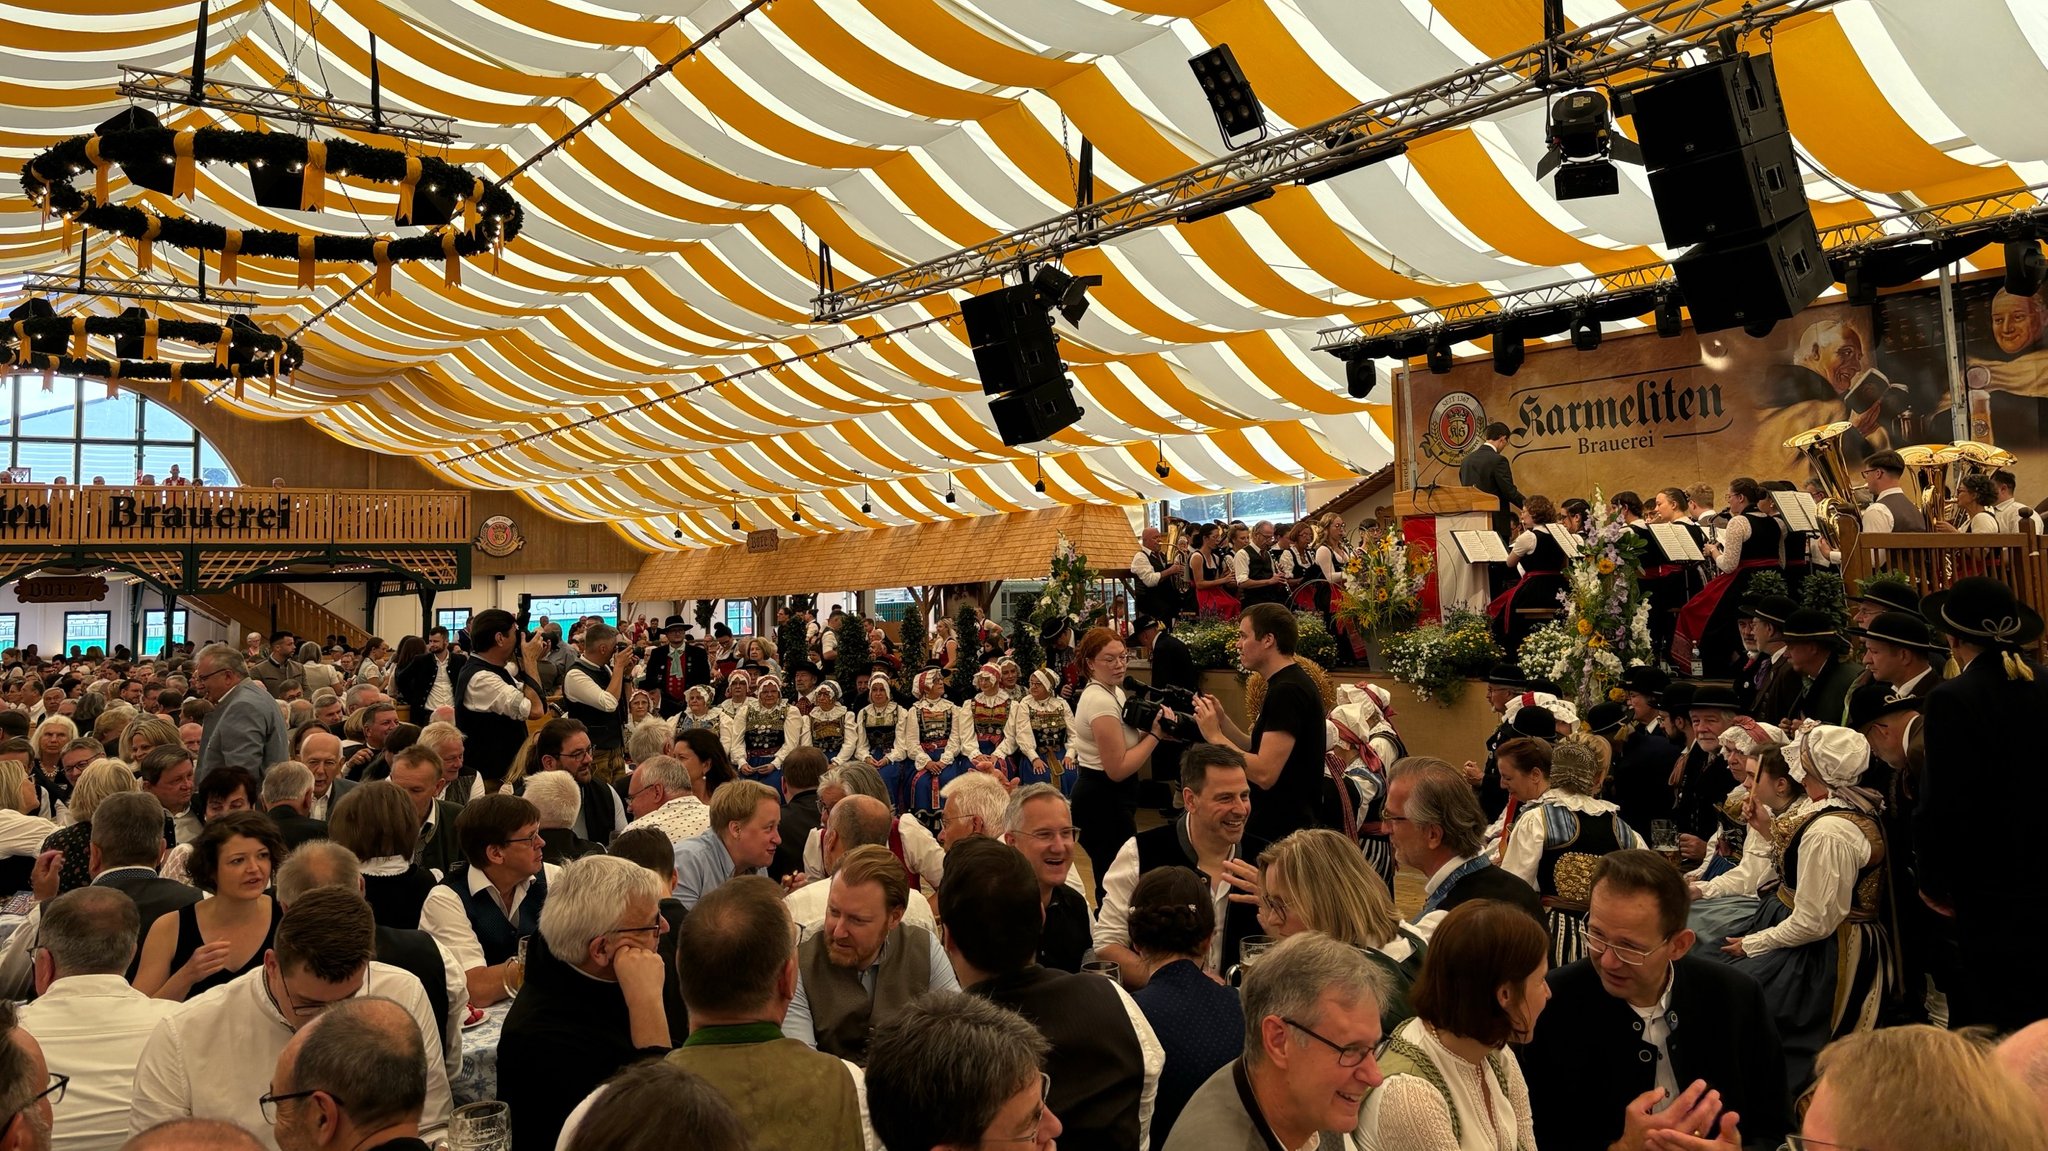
1585 626
1616 695
1606 566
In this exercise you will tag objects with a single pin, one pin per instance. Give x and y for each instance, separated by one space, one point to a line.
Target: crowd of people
267 887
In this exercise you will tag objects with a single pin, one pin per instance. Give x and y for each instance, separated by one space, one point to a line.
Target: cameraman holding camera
1110 753
1284 752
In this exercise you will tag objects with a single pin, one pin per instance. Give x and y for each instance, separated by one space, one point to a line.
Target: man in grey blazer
245 729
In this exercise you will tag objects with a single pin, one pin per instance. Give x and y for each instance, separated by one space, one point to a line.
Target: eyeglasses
268 1103
533 840
637 792
1037 1115
298 1009
653 929
1275 907
203 676
1346 1056
54 1092
1597 944
586 753
1120 657
1050 835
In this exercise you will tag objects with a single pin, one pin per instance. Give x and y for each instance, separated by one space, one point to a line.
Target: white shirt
445 917
442 692
214 1056
93 1028
578 686
1758 865
1531 832
489 693
1736 534
1877 517
1112 925
2008 513
681 818
1408 1112
1097 700
1657 1033
23 834
1426 926
1906 688
1831 852
807 908
1980 523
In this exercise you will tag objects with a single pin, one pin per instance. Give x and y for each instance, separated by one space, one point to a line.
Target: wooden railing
265 607
33 514
1936 560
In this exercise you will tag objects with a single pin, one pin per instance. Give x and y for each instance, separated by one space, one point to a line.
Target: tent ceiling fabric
1018 545
674 245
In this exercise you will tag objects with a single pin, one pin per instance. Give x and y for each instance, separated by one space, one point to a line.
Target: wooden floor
1407 883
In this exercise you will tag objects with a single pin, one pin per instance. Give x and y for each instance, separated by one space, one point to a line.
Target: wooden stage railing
1936 560
34 514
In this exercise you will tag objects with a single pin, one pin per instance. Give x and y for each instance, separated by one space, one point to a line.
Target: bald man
193 1135
2024 1054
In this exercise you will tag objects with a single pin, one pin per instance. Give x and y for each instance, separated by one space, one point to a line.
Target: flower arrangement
1378 587
1212 642
1606 624
1068 599
1438 658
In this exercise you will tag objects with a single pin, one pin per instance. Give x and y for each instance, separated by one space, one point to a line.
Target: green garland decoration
47 180
244 343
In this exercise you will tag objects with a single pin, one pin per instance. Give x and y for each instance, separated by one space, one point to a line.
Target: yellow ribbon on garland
306 260
406 187
21 343
471 207
220 346
380 253
113 376
177 382
70 232
78 337
145 244
451 260
149 334
100 165
184 174
231 256
313 193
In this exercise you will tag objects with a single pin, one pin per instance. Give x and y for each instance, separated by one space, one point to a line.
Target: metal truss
1919 225
139 288
1633 42
298 107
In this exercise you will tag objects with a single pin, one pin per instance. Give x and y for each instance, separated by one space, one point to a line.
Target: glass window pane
109 418
1200 509
1263 504
51 413
10 624
47 462
157 460
6 405
153 630
115 462
84 629
213 470
739 616
455 619
161 423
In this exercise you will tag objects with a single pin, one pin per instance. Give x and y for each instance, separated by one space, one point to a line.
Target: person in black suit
1975 844
1487 468
127 846
287 794
676 667
1639 1021
1172 666
1437 828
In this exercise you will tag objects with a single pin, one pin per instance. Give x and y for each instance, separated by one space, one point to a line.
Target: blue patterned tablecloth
479 1078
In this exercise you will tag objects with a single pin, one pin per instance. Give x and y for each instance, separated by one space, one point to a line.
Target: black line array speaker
1034 414
1013 341
1725 178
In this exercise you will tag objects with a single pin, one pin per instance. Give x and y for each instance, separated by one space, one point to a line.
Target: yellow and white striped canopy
674 244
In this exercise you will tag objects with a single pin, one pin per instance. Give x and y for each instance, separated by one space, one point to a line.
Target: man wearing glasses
592 1001
493 899
1641 1036
1039 822
349 1080
244 729
1890 510
211 1059
28 1092
955 1071
1311 1053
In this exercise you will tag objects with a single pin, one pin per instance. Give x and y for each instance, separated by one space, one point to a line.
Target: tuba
1826 452
1974 458
1177 552
1926 481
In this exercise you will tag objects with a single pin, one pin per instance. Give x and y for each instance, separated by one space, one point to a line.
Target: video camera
1143 702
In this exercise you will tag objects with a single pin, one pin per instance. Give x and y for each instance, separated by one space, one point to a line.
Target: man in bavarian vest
593 694
492 900
1890 510
493 701
865 964
676 667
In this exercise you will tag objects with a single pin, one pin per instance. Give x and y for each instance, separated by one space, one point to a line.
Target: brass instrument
1177 553
1826 452
1926 480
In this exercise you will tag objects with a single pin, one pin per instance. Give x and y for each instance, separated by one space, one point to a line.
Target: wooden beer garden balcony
195 539
1936 560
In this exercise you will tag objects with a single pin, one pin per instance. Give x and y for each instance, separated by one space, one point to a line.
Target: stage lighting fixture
866 508
1226 204
1039 487
1856 286
1507 352
155 173
1585 330
38 308
130 347
1342 161
1583 146
1670 319
1161 469
796 514
1054 287
678 533
1439 355
949 487
1238 112
735 522
1360 377
2025 267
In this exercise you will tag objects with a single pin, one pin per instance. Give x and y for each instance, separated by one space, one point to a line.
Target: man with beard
1210 837
564 745
1702 778
861 969
1039 823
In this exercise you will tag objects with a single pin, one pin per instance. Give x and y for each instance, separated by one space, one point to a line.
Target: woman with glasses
1199 1022
203 945
1108 752
52 736
1316 880
1449 1079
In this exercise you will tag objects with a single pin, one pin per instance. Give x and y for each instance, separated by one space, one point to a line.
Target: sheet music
1564 538
1677 543
1799 511
1481 547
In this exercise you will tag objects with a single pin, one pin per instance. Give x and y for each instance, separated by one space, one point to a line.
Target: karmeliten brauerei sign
140 515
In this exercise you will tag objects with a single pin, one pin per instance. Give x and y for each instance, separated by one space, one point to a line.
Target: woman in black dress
206 944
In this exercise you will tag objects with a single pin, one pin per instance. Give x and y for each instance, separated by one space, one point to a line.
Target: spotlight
1507 351
796 515
678 533
1360 377
1238 112
1670 320
1053 287
1585 330
949 497
1857 287
1582 144
2025 267
1161 469
866 508
1439 355
735 523
1039 487
949 487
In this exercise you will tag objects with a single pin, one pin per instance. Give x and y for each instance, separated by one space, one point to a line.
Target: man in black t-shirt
1284 752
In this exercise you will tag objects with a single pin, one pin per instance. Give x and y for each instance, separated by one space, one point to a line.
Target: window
153 630
1276 504
893 603
1202 509
739 616
567 609
10 624
75 431
455 619
85 629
